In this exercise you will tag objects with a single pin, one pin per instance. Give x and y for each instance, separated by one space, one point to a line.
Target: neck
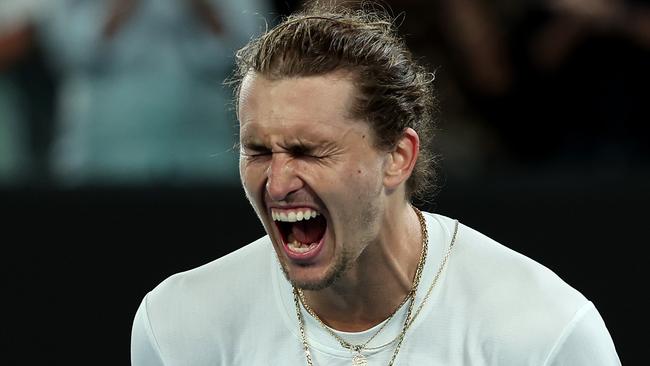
378 281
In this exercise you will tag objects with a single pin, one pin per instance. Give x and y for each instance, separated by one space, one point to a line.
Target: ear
401 160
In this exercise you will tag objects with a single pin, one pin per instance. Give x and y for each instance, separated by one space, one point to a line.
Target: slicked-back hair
394 91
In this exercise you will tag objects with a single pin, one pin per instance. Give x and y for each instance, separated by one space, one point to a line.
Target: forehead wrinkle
304 91
264 122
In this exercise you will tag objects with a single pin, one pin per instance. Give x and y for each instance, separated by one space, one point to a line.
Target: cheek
367 175
354 185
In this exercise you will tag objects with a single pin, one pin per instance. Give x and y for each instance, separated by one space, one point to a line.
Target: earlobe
401 161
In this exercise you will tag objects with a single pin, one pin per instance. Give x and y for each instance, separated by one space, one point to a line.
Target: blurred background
117 166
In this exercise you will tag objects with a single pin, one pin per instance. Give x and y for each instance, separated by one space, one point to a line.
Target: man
334 115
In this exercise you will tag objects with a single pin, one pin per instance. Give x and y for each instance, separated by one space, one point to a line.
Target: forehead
297 105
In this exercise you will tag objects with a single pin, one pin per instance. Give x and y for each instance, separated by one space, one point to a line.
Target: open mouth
302 231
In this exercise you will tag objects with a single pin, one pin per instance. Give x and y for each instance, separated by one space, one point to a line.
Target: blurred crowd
131 91
548 84
136 91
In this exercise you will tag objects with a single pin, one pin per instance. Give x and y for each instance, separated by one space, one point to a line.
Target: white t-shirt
491 306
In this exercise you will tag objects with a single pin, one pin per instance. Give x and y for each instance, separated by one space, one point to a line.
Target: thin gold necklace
359 358
357 349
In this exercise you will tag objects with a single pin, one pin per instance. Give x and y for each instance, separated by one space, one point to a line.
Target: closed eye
256 154
303 150
255 150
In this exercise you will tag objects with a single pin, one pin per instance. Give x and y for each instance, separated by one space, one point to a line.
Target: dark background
79 262
553 164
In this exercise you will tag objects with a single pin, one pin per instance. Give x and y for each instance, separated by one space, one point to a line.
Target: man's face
311 173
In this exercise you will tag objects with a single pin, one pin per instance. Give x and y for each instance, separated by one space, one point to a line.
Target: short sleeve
585 341
144 348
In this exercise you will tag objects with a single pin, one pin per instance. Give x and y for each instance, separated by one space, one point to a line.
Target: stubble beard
342 262
335 272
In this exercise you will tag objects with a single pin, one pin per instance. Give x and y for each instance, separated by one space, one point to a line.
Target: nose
281 177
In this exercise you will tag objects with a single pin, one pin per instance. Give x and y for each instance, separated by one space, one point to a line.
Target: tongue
309 231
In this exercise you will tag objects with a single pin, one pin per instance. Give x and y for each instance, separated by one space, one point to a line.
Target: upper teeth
293 215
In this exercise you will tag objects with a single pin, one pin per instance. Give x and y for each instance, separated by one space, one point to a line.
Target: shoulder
494 272
585 341
191 315
189 304
230 274
514 308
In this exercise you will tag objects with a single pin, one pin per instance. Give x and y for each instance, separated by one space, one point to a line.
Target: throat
353 313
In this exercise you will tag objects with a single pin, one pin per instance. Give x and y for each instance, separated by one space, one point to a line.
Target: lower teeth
297 246
300 247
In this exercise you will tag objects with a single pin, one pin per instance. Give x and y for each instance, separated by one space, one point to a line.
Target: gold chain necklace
359 359
345 344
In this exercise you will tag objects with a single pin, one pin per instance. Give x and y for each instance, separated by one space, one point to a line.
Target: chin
306 277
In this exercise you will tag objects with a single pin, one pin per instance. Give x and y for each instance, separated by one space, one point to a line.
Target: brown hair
395 92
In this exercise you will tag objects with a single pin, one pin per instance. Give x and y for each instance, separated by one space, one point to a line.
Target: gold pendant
359 360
